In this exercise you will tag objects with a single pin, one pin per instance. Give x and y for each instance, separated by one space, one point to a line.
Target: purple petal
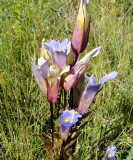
60 58
110 76
64 44
76 118
90 80
64 129
55 45
78 115
70 117
47 47
36 71
87 98
90 91
45 69
68 113
110 154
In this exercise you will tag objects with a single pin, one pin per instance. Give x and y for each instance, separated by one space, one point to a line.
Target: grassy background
23 108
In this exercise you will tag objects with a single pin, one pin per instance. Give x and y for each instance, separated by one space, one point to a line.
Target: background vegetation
23 108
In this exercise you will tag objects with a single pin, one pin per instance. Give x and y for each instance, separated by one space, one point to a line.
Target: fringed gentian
78 69
81 29
91 90
67 119
51 66
110 154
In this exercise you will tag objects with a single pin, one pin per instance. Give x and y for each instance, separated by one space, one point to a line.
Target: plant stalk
65 99
71 99
59 101
52 123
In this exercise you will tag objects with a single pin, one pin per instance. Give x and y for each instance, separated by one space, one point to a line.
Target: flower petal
55 45
70 81
52 95
45 69
64 44
64 129
72 78
88 56
90 80
78 90
52 77
60 58
67 119
36 71
65 70
87 98
39 77
46 46
110 154
41 61
91 91
109 76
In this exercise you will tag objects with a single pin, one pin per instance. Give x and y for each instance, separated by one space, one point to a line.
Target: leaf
47 143
58 144
70 144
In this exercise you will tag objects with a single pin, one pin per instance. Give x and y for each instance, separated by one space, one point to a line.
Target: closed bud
81 29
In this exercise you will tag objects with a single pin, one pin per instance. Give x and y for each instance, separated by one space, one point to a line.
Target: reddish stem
52 123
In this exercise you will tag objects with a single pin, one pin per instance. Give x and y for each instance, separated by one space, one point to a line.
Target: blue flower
110 154
91 90
67 119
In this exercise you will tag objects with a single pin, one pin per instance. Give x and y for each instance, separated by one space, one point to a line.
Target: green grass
23 108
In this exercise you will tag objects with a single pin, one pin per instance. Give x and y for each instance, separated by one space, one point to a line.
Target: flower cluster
52 65
59 70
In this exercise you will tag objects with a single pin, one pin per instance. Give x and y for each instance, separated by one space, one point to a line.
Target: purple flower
59 52
67 119
110 154
91 90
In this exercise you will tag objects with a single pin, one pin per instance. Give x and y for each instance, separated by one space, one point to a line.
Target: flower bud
81 29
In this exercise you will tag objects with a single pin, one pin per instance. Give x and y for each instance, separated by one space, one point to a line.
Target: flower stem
62 151
52 123
64 99
71 99
59 101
